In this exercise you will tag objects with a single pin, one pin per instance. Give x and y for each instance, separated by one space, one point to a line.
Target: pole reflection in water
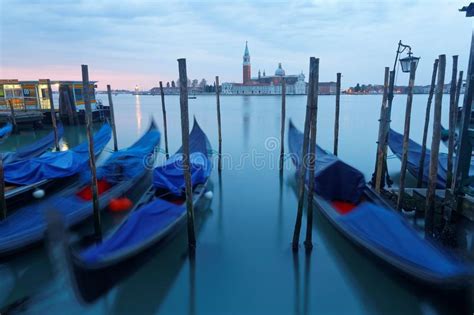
157 276
280 212
296 272
220 214
246 120
192 283
307 281
138 114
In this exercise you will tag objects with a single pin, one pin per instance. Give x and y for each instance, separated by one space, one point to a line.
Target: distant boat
157 217
116 177
192 97
369 222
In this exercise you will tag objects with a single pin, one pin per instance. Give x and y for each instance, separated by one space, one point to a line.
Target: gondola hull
91 282
372 224
27 226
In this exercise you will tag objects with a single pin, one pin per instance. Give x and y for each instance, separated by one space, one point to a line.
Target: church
263 84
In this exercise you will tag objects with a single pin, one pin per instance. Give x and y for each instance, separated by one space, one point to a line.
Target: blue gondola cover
334 179
389 232
140 226
56 164
6 130
33 150
27 224
171 176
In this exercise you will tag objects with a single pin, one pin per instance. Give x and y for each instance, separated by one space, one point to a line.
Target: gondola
157 217
365 219
34 149
51 169
395 142
5 131
117 177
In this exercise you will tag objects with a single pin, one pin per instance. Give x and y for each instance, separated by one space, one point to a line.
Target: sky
129 42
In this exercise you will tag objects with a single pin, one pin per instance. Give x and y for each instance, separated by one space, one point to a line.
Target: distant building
264 85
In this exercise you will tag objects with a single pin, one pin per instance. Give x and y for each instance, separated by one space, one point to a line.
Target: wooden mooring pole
304 155
452 123
53 115
308 243
283 122
382 137
112 117
13 118
165 125
388 115
458 93
183 100
95 194
419 180
433 174
406 136
219 131
3 203
336 117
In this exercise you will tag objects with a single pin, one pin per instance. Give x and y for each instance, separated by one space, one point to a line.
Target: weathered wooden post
13 118
165 126
458 92
112 117
3 203
283 122
219 131
53 115
304 152
419 181
95 194
452 123
336 118
183 100
312 156
433 175
388 114
382 137
406 135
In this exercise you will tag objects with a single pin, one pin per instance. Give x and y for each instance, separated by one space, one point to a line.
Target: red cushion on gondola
86 192
343 207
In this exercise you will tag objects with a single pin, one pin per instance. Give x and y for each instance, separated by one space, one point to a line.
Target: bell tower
246 65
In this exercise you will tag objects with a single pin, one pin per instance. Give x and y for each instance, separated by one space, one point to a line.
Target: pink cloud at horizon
117 79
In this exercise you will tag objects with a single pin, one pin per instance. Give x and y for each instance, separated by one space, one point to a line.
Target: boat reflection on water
145 291
380 289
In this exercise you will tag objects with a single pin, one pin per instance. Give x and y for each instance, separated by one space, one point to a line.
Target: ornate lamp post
405 63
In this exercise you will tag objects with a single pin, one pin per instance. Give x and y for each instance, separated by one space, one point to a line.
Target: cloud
138 42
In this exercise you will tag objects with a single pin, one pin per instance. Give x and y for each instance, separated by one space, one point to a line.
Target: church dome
280 72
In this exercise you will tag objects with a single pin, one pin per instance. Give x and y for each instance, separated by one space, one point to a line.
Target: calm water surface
244 263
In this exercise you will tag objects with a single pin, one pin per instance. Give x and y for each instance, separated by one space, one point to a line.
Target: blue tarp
131 161
140 226
171 176
389 232
33 150
334 179
27 224
395 142
6 130
56 164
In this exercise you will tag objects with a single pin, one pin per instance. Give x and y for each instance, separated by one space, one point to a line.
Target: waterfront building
264 84
33 95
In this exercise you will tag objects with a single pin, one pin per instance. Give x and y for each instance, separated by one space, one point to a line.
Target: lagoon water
244 262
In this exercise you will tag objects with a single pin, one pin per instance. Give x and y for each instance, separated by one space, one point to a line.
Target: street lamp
405 62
